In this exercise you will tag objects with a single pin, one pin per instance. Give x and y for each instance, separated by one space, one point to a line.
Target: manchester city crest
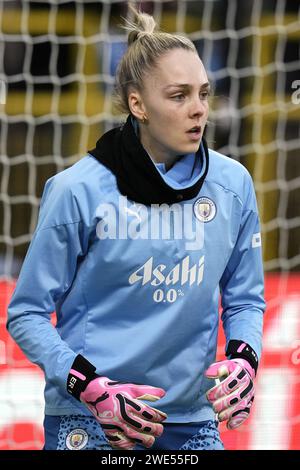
205 209
77 439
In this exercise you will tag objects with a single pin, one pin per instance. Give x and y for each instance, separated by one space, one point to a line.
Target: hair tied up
141 25
135 35
146 46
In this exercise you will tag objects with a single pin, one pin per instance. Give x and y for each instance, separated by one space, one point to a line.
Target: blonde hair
145 46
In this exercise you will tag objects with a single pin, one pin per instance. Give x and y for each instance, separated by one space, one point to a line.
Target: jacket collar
121 152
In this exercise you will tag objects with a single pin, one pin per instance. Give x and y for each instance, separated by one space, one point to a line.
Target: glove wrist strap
80 375
240 350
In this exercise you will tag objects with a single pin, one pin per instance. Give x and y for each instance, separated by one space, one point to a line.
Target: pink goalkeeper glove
232 398
124 419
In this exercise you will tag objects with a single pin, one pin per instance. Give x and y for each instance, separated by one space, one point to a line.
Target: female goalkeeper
134 245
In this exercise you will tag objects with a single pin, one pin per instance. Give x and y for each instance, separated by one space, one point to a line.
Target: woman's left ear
136 105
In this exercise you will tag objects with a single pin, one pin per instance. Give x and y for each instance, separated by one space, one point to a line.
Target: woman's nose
198 107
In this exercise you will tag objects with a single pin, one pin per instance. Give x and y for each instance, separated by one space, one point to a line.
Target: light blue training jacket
136 289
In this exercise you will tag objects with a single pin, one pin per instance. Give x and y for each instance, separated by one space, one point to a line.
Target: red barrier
275 418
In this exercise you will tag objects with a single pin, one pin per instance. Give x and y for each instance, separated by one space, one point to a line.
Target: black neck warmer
137 178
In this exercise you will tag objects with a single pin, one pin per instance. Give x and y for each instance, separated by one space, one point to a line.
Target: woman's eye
204 95
178 97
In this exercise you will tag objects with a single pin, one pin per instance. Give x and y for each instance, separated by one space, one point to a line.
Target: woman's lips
194 134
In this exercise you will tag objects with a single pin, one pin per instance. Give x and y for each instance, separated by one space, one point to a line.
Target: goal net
57 65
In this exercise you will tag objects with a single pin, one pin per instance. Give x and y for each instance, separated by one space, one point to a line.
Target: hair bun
142 25
137 34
